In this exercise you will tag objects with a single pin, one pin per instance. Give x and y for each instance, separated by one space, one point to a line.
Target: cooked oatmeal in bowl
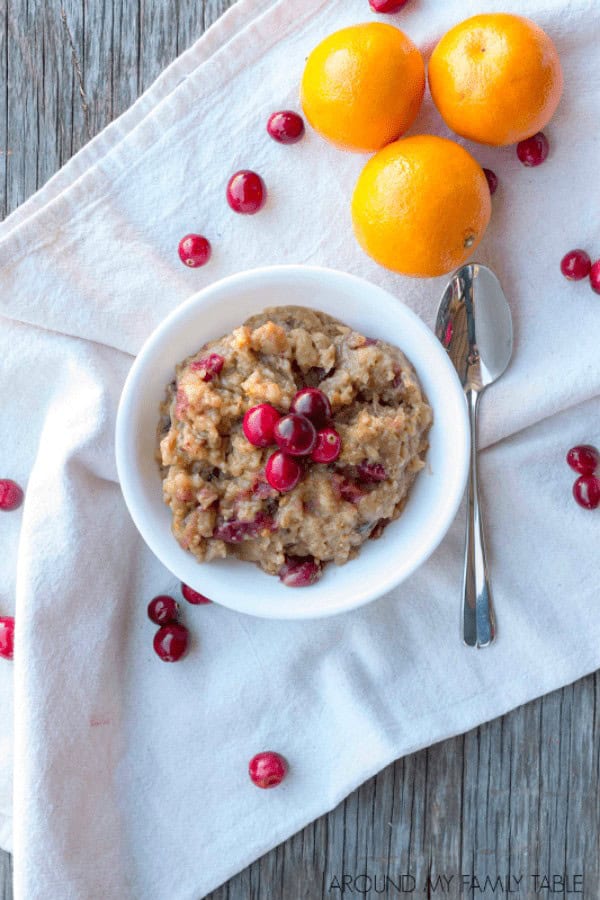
290 442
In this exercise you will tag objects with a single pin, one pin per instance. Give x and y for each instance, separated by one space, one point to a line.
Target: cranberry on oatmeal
348 416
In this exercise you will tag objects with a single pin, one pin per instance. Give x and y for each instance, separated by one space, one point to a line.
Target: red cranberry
371 472
329 445
584 459
575 265
286 127
282 472
387 6
171 641
234 531
534 150
210 366
595 276
182 403
295 435
492 180
347 489
193 596
11 495
246 192
194 250
267 769
7 637
300 571
259 424
314 404
586 491
163 610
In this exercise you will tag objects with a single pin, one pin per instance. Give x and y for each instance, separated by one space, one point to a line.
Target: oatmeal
372 424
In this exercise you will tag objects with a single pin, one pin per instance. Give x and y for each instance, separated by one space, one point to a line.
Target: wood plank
515 796
5 876
212 10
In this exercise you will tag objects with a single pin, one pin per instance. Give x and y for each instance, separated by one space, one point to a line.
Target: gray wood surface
518 796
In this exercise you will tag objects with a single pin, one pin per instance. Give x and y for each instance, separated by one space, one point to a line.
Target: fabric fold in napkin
117 754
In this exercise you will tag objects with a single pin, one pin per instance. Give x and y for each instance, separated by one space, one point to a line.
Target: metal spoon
475 326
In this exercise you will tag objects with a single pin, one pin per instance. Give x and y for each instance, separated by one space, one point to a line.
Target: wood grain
517 796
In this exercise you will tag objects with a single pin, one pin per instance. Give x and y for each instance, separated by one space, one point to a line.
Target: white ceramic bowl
381 564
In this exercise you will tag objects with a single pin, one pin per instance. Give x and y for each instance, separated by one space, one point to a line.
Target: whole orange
362 86
496 78
421 205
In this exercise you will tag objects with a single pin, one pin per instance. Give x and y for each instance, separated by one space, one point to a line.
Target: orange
496 78
362 86
421 206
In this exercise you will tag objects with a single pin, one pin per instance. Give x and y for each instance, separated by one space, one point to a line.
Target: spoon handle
479 625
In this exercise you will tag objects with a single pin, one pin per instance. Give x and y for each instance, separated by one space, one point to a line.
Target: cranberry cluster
246 192
304 432
577 265
585 459
267 769
172 638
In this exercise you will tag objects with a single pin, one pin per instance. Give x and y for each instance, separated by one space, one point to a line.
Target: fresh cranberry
286 127
584 459
282 472
233 531
171 642
534 150
329 445
300 571
575 265
586 491
246 192
7 637
295 435
210 366
595 276
11 495
259 424
492 180
193 596
371 472
194 250
267 769
314 404
387 6
163 610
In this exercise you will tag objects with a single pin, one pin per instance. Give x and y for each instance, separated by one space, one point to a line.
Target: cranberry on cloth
114 752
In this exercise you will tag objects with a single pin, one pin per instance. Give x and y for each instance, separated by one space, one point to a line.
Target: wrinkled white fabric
116 754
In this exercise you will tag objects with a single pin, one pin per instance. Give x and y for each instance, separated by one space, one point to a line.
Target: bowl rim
127 403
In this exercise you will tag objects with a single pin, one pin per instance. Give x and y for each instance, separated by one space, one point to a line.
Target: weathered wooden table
517 797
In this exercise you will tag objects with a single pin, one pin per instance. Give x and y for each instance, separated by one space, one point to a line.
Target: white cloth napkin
130 775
